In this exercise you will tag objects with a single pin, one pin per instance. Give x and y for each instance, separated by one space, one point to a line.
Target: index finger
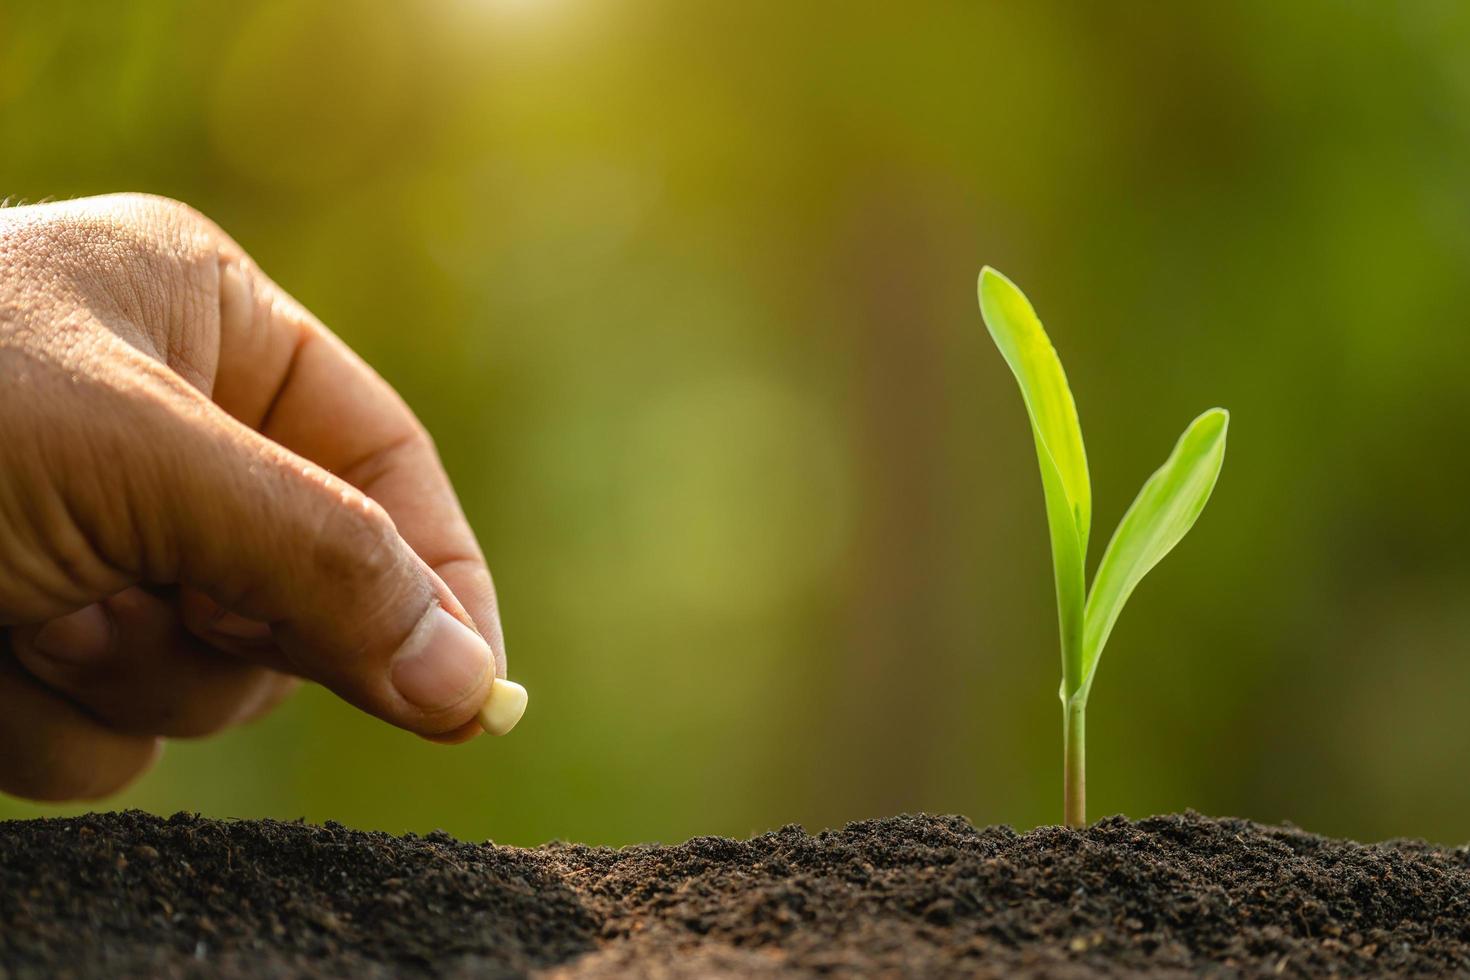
286 375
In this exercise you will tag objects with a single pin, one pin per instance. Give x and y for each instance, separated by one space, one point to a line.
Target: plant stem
1075 763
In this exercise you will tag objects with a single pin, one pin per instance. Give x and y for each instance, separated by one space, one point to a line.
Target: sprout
1163 512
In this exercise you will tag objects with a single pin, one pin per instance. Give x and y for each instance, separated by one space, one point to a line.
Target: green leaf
1017 331
1163 512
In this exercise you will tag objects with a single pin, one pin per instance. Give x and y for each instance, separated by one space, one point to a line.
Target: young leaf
1017 331
1162 513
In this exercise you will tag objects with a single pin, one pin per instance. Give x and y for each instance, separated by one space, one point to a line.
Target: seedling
1159 517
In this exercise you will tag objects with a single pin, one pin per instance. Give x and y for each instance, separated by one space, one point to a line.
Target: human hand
204 494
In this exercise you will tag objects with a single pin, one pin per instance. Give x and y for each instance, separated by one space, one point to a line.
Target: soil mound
127 894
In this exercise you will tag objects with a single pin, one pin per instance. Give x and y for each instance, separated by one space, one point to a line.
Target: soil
127 894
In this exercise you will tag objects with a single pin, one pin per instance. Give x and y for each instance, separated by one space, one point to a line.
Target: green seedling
1159 517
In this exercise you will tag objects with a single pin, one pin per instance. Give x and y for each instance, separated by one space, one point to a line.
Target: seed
504 707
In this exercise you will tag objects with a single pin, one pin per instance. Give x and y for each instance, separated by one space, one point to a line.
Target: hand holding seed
205 495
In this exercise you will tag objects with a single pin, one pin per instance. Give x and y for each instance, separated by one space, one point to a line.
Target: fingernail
81 637
504 707
441 661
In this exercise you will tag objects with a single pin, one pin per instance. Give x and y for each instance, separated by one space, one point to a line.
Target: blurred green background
686 293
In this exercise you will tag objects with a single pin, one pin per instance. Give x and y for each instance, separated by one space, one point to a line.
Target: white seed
504 707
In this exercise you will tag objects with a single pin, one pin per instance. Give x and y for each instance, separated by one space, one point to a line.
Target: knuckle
148 206
135 250
78 568
57 564
142 200
170 242
358 542
161 218
414 444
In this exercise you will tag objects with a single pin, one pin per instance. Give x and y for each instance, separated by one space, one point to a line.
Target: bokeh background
686 293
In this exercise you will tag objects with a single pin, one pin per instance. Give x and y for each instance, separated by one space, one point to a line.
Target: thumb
272 536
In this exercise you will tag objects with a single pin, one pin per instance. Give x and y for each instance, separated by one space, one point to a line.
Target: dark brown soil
125 894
